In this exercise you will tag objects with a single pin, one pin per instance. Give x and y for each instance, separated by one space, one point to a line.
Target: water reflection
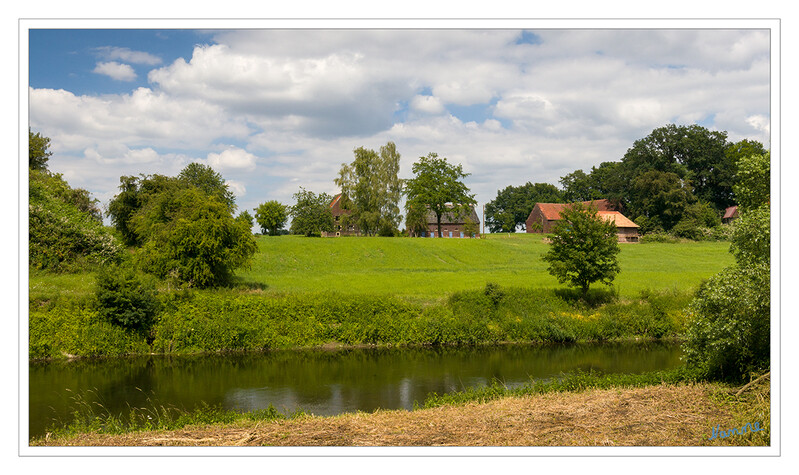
320 382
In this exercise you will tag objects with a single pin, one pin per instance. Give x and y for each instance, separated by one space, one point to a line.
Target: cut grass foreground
665 414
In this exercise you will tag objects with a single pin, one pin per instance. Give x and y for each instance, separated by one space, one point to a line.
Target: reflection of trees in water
327 381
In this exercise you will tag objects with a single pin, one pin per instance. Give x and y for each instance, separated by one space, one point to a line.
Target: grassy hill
430 268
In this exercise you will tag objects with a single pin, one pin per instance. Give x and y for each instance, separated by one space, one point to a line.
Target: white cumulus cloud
114 70
427 104
128 55
232 159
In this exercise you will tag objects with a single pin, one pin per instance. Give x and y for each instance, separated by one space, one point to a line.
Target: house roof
618 219
450 217
730 212
551 211
335 200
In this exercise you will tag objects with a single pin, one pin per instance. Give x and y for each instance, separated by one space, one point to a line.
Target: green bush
126 297
729 327
729 330
64 231
62 331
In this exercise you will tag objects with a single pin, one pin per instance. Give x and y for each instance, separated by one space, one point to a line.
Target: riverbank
209 321
683 414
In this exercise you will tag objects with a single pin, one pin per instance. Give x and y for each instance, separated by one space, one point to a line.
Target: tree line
678 179
371 191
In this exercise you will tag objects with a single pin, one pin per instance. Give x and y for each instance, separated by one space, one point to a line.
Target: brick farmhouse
338 226
544 216
453 225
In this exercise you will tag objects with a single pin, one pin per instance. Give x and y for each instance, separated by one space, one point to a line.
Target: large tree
38 151
183 226
693 153
271 217
209 181
311 215
438 186
513 204
583 248
193 237
372 188
660 197
729 333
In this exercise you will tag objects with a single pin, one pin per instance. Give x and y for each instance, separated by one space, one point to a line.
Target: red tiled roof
618 219
730 212
551 211
335 200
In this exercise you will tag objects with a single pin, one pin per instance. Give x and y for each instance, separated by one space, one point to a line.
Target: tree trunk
438 221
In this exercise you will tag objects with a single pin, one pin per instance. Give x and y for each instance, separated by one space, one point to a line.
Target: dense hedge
214 321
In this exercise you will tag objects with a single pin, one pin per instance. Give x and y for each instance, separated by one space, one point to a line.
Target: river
321 382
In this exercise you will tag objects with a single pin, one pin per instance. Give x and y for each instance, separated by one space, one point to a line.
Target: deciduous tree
373 190
311 214
194 236
38 151
729 333
437 186
583 248
271 217
693 153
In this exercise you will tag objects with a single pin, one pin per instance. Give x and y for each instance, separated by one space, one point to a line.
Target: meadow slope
434 268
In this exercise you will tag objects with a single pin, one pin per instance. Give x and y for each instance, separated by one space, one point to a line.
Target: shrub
79 331
194 237
729 324
65 232
126 297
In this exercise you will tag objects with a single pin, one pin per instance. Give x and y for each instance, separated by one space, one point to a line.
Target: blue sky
273 110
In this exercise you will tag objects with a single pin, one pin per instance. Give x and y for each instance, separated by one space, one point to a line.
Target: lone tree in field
583 249
437 186
271 217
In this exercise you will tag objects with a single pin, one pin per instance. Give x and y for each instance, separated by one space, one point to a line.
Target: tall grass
197 322
90 415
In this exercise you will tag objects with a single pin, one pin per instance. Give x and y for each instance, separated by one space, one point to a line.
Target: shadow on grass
594 297
241 284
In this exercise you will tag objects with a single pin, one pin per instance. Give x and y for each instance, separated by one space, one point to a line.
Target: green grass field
431 268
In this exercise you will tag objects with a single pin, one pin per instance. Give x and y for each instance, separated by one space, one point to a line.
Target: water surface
321 382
